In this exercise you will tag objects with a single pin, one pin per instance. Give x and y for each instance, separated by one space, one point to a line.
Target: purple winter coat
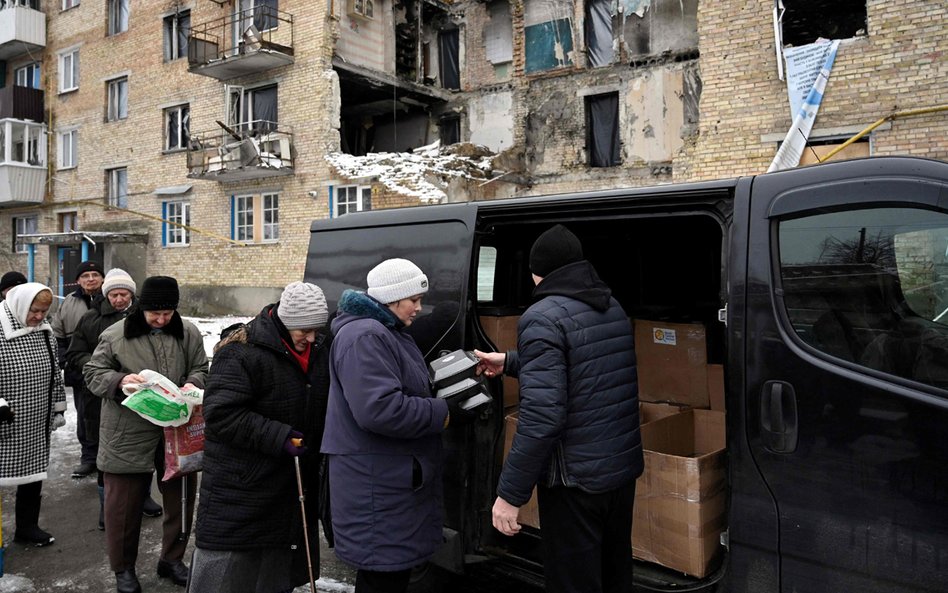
383 438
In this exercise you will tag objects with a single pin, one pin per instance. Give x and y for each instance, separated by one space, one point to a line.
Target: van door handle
778 416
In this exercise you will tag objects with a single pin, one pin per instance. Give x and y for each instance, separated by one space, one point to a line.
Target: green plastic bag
156 408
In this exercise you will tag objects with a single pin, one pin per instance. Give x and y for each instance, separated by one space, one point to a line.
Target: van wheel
427 578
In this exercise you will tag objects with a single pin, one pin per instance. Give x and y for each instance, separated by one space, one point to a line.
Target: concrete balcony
22 162
253 151
247 42
22 29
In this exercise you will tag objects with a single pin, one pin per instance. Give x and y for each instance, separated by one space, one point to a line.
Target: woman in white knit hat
383 432
265 404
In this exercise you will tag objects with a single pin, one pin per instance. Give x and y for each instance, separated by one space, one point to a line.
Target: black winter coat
579 417
256 394
86 336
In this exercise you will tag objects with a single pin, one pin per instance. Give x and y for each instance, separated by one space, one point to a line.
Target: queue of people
344 401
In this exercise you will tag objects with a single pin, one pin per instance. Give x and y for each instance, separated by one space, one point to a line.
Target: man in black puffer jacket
577 436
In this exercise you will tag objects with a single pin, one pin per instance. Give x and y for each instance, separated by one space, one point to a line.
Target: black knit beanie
159 293
552 250
11 279
89 266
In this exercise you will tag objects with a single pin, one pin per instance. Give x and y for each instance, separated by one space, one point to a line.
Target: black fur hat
159 293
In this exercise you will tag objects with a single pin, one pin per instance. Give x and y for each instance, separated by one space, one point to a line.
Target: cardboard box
672 362
529 513
650 411
502 331
680 499
716 387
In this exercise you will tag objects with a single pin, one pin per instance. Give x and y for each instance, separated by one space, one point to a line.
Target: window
253 109
27 143
547 34
243 213
256 218
363 8
486 270
867 287
262 15
353 198
816 150
117 181
602 130
498 34
806 21
599 19
69 71
177 127
271 217
118 16
22 225
177 27
68 149
118 99
68 221
172 234
28 76
67 4
450 130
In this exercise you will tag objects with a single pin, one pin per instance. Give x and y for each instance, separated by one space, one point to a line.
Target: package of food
160 401
184 446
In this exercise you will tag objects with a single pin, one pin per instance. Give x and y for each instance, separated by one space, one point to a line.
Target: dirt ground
77 562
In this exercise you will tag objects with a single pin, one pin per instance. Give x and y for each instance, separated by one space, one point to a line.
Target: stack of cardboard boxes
680 499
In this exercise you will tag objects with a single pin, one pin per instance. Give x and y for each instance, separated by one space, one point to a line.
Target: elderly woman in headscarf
32 402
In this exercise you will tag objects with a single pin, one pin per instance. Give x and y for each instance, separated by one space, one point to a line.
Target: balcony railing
246 42
253 150
22 162
22 28
20 102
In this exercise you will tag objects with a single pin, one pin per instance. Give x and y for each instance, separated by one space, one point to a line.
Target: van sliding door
846 392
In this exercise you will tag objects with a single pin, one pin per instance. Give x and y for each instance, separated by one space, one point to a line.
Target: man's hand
132 379
505 517
490 363
58 420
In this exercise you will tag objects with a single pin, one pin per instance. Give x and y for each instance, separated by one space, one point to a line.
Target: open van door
845 349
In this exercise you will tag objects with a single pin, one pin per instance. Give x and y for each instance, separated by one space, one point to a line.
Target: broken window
363 8
498 34
448 42
816 150
254 109
177 27
177 127
262 15
117 182
255 218
117 99
352 198
118 16
599 50
548 34
806 21
656 27
602 130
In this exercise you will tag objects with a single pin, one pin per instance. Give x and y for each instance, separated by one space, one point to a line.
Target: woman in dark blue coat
383 432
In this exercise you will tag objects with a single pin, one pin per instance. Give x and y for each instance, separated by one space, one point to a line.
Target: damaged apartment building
199 138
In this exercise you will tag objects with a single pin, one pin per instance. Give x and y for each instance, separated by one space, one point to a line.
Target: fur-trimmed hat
89 266
394 280
118 278
553 249
159 293
302 306
11 279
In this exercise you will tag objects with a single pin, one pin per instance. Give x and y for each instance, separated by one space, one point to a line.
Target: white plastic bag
160 401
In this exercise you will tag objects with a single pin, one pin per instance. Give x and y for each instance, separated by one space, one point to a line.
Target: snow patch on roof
423 173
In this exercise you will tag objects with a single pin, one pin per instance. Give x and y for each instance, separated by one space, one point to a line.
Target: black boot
27 516
127 582
101 508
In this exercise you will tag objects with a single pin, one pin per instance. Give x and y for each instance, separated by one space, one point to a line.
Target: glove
290 448
6 413
458 416
58 420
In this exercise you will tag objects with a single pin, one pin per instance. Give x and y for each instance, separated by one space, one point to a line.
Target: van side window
486 266
871 287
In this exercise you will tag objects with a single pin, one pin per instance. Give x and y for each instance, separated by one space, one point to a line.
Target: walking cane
1 540
183 537
299 487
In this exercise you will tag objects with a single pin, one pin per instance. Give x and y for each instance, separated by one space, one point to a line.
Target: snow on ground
211 329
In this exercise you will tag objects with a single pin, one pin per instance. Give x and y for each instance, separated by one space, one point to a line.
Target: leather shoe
151 508
83 469
176 571
127 582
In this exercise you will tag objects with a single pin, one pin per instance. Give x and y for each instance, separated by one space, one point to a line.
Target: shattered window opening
599 18
806 21
177 27
117 180
602 130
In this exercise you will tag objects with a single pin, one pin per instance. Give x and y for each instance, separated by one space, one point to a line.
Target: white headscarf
18 302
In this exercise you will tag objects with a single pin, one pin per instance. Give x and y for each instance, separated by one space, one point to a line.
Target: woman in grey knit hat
267 388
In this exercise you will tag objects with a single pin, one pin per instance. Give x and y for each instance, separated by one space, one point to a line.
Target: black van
821 293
